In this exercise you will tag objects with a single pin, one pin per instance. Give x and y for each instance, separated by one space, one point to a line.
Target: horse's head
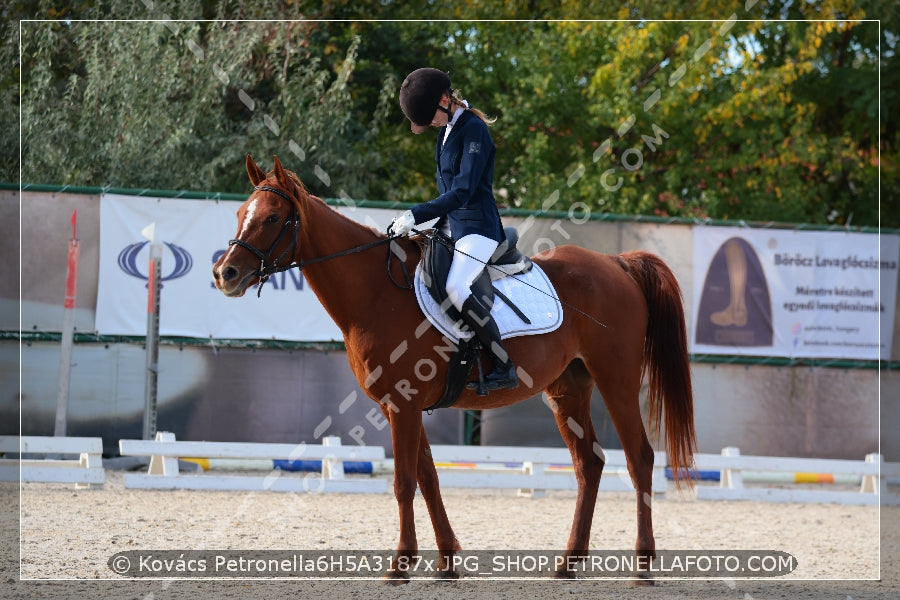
268 230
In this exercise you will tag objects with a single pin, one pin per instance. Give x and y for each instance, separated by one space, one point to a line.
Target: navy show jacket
465 174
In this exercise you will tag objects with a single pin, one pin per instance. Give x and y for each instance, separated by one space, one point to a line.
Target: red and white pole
154 285
68 331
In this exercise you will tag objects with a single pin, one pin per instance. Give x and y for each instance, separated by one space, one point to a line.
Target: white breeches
470 258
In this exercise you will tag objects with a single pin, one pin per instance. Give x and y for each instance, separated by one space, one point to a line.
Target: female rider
466 206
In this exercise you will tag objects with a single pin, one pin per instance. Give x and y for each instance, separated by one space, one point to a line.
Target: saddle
507 260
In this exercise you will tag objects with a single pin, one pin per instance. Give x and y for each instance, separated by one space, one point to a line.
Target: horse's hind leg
570 398
620 387
427 477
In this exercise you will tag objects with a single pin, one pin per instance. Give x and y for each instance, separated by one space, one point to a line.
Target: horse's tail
666 361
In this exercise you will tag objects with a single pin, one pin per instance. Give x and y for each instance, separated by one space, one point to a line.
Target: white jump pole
68 332
154 285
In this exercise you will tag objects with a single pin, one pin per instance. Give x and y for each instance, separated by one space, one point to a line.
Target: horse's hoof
642 579
396 577
447 575
564 574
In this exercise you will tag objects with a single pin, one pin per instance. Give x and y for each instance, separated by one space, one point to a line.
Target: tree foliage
755 111
178 105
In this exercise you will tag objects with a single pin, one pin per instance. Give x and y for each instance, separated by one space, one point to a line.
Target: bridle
267 270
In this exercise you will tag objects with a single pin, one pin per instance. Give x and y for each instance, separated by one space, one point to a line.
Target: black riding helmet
420 94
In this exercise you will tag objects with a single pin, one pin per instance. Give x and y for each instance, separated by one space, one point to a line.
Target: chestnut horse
629 321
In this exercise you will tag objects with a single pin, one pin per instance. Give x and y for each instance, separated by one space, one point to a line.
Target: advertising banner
788 293
194 234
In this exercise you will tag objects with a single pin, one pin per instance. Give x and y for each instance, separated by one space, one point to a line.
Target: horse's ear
256 174
280 175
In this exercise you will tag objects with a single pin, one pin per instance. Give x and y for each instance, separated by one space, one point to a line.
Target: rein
265 271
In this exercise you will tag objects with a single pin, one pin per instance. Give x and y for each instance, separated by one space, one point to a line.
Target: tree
689 119
743 116
177 105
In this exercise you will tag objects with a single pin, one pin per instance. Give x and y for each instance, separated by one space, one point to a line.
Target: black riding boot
478 316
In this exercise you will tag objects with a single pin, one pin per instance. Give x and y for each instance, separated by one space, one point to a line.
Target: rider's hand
402 224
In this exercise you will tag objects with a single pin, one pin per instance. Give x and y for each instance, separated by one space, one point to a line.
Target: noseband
265 271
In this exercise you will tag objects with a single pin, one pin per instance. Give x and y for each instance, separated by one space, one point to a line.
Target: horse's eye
273 218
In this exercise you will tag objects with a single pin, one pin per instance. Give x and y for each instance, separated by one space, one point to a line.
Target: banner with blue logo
788 293
194 233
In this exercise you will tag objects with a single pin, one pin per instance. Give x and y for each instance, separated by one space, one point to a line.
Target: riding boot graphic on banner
735 306
736 311
478 316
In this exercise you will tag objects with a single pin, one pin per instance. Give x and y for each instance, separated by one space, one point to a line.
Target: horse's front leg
427 477
406 426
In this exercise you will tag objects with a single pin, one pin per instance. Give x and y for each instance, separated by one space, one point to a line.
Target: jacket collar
454 131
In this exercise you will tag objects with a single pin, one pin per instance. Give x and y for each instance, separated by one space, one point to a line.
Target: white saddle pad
531 292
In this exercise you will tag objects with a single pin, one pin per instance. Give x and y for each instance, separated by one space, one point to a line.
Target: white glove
402 224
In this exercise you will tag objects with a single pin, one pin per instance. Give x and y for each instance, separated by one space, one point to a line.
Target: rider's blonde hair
456 99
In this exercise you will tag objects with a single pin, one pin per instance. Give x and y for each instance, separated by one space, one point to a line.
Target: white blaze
248 217
245 226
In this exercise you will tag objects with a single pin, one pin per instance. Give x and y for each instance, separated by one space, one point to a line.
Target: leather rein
267 270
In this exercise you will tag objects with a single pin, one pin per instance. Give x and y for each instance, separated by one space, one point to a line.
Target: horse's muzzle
229 280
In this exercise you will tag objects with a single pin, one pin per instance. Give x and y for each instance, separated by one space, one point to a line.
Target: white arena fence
164 452
85 470
873 474
530 470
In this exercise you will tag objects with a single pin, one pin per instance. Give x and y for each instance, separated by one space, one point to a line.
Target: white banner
194 233
813 294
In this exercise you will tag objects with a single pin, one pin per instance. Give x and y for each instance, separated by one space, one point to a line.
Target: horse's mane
302 192
421 241
418 241
293 177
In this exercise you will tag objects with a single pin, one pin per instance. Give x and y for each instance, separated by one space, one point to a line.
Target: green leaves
740 117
